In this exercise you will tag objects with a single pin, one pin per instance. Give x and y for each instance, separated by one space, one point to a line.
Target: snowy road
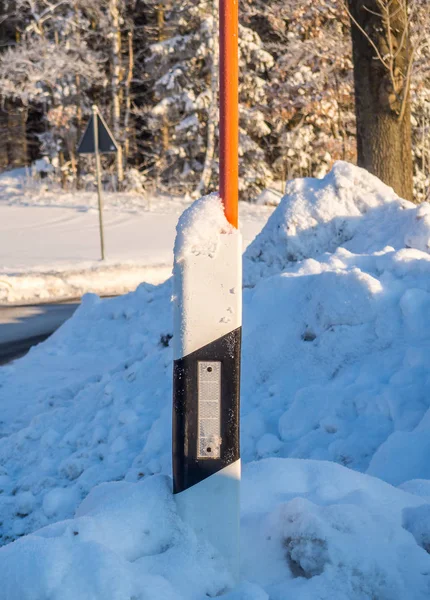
40 236
32 236
51 253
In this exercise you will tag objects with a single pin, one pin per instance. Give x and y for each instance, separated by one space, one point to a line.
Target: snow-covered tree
183 64
420 100
152 67
68 55
311 92
39 71
179 71
255 63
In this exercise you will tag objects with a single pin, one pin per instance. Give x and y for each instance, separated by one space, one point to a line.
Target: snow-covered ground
335 413
49 240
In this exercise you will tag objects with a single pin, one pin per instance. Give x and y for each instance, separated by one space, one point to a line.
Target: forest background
152 69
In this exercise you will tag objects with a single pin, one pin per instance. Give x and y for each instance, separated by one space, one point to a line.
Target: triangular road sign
107 143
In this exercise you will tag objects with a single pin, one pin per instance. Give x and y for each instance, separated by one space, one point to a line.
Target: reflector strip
209 409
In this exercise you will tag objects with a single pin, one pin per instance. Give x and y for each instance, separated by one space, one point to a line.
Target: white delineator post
207 334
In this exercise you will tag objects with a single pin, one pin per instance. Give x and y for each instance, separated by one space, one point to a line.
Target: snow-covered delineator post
207 334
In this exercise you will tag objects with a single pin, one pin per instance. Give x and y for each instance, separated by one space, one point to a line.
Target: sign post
99 179
97 139
206 345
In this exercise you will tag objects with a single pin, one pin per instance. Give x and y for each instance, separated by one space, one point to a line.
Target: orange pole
229 108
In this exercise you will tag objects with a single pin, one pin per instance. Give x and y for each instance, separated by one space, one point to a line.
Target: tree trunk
116 80
382 57
13 117
77 165
4 157
165 134
160 22
63 174
128 97
212 112
17 135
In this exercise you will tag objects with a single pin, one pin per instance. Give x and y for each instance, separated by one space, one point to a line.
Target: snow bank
72 282
98 409
336 357
269 197
309 530
126 542
317 530
336 363
349 208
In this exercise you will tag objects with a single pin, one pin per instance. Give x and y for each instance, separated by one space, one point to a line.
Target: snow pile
99 409
269 197
347 380
351 366
104 279
349 208
336 363
126 542
309 530
317 530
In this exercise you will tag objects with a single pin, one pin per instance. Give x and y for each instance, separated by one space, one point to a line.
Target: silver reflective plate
209 409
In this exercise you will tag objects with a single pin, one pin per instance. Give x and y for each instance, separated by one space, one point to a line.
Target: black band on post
188 468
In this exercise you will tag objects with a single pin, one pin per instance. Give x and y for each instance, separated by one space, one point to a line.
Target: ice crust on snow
336 363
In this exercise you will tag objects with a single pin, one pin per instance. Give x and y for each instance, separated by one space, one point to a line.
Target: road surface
24 326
